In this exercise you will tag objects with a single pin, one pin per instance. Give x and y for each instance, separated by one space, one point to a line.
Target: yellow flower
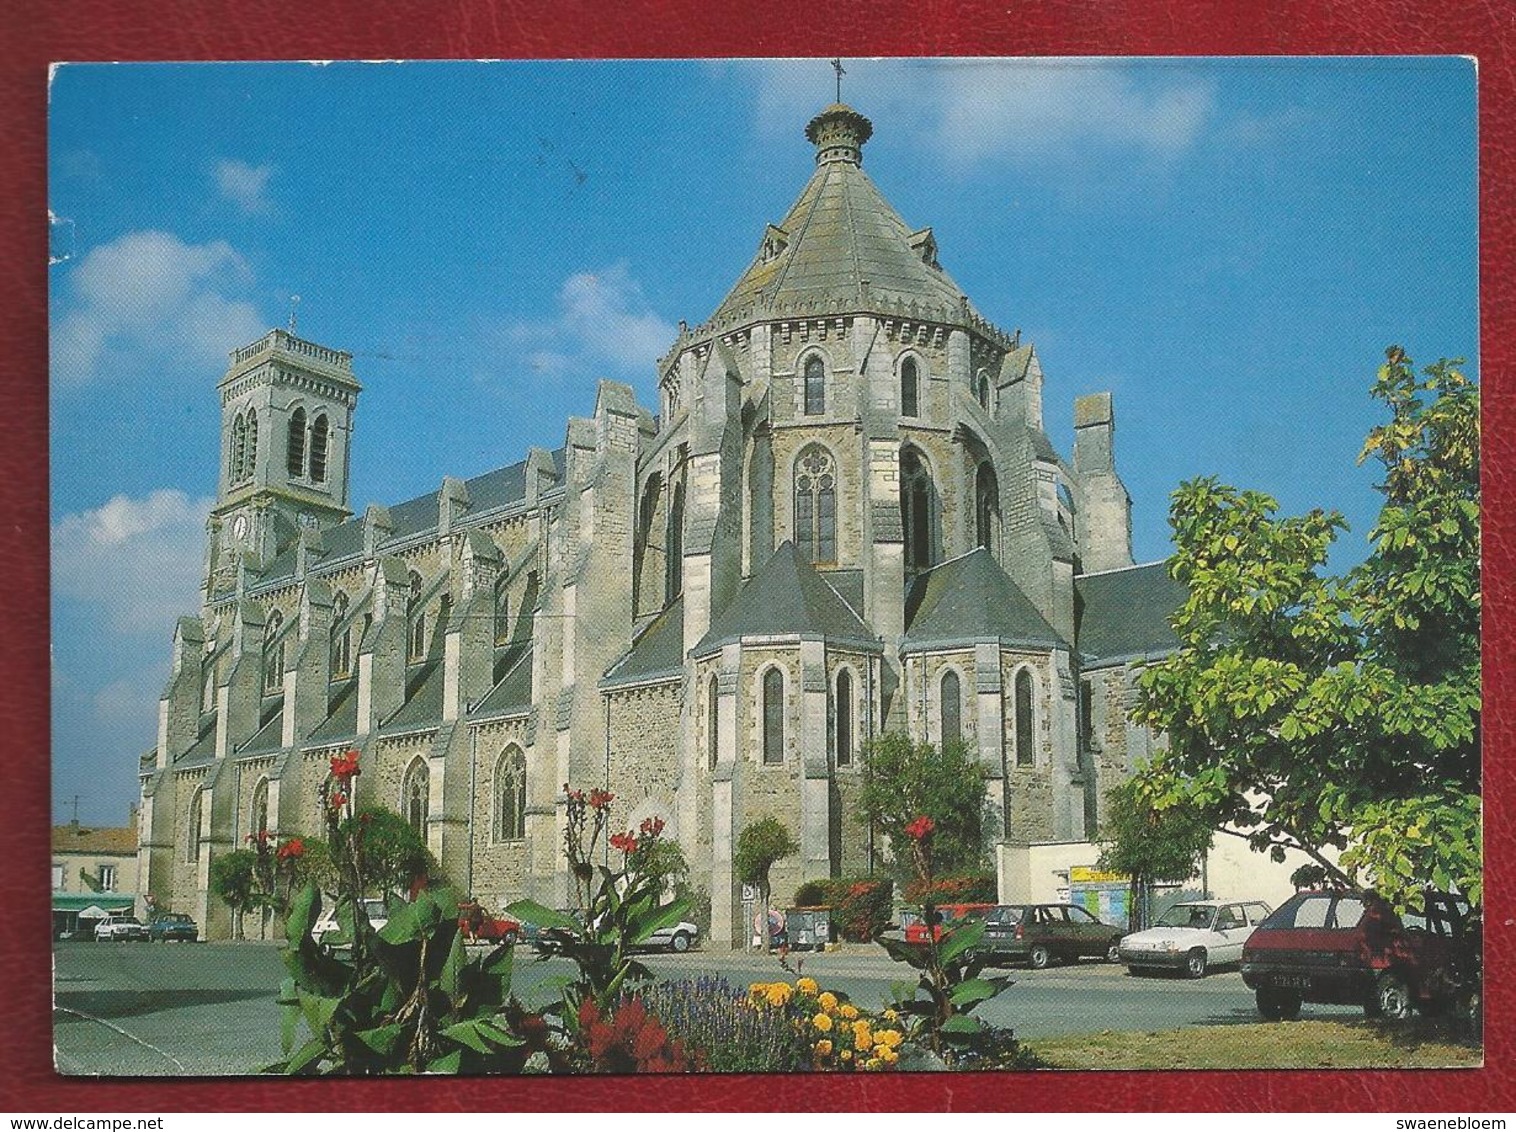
849 1011
822 1022
824 1047
757 991
888 1056
828 1001
807 986
846 1055
779 994
889 1039
872 1063
891 1016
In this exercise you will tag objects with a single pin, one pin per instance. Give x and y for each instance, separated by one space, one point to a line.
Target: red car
1350 948
949 914
476 924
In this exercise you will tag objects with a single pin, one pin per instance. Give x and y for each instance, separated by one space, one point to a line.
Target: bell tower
286 430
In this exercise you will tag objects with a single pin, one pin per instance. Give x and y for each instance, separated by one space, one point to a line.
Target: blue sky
1227 245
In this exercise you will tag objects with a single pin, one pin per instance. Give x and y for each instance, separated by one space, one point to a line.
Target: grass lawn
1417 1044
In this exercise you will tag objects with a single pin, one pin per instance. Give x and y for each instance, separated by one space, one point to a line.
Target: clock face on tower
239 527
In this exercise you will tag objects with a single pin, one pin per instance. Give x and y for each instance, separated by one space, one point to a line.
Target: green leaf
304 910
447 1063
381 1039
542 916
667 916
305 1059
955 941
972 991
963 1024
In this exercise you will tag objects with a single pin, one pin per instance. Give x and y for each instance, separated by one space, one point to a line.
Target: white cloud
244 185
138 561
603 322
973 110
149 296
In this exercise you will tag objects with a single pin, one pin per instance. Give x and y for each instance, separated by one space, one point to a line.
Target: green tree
759 847
1319 712
234 881
395 856
1150 844
906 780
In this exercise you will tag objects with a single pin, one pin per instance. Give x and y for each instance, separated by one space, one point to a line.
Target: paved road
133 1009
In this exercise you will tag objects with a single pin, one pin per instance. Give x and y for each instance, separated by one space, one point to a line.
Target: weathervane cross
837 66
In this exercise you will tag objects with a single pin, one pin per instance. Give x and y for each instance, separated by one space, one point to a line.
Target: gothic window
416 619
502 610
238 454
273 653
909 391
259 823
510 795
713 721
415 795
342 637
1025 755
208 689
952 709
982 391
673 580
843 719
773 716
916 510
296 450
251 463
647 512
816 505
815 386
196 816
320 439
986 506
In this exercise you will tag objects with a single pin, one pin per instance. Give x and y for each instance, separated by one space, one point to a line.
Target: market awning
93 905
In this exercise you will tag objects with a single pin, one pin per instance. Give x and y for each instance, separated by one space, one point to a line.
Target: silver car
1194 936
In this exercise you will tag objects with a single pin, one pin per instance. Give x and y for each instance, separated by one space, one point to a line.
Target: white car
1194 936
113 929
328 931
676 937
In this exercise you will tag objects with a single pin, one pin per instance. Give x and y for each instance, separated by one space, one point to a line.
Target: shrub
860 905
965 888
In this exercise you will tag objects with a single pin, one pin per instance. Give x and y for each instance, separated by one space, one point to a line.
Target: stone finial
838 133
452 502
377 526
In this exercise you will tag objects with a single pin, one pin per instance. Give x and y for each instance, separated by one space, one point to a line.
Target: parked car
913 923
113 929
478 925
676 937
1194 936
1348 947
173 926
329 933
1043 934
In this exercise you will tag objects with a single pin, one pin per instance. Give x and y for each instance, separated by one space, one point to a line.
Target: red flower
652 827
337 800
601 799
920 829
345 767
291 849
626 842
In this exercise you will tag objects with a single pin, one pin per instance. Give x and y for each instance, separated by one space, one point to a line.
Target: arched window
952 709
502 610
982 391
320 440
986 506
251 464
909 391
816 505
238 454
916 510
673 579
815 385
208 689
273 653
510 795
259 822
342 637
842 719
1025 754
773 716
415 795
296 449
647 512
416 619
713 721
196 818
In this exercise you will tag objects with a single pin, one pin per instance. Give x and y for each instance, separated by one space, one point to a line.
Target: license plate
1293 982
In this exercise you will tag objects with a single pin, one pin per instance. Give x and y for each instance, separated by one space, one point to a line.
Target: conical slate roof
841 245
786 597
970 599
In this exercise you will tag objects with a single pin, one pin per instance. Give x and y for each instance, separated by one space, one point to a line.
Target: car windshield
1186 916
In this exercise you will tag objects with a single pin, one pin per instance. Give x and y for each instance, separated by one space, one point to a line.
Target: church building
843 517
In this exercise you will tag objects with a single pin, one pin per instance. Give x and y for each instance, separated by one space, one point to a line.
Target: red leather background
35 32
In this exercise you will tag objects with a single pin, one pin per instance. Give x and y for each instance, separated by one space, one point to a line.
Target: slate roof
513 694
486 492
342 718
1124 614
657 653
423 699
841 232
203 749
786 597
970 598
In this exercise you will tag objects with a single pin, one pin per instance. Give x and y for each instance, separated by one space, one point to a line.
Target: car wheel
1113 953
1278 1005
1391 998
1195 963
1039 956
680 942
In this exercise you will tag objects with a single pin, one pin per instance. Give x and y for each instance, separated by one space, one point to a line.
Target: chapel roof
1123 615
970 598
